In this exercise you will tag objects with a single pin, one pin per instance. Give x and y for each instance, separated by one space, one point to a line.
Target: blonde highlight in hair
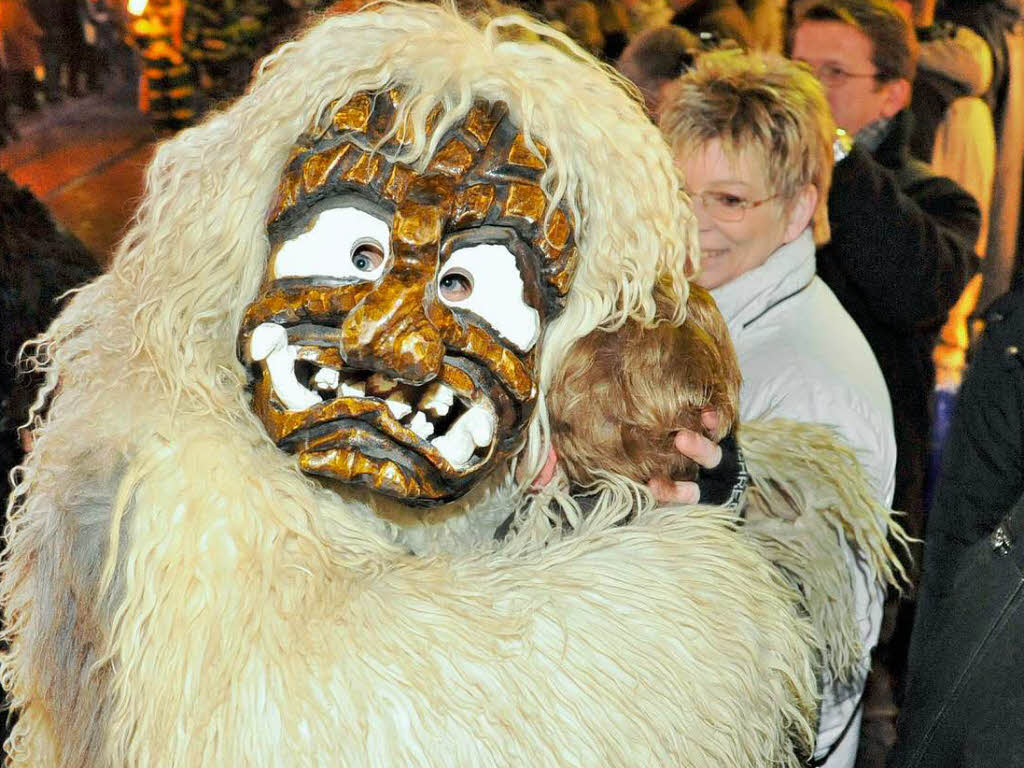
762 104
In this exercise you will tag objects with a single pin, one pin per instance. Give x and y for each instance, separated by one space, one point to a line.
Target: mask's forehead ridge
491 176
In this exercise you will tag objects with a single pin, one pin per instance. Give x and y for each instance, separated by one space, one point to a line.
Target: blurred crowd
182 55
907 254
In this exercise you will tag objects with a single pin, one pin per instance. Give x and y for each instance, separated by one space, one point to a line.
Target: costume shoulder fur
198 606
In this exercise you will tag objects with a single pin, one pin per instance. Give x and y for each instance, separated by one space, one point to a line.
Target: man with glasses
901 248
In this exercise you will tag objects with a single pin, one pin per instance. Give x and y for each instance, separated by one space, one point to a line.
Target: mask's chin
366 459
465 524
424 445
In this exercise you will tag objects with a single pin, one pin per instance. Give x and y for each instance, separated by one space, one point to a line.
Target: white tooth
267 338
474 428
438 399
269 341
353 388
421 426
296 397
381 383
281 364
479 423
327 378
456 446
397 407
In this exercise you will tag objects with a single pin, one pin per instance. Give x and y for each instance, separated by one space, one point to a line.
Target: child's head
622 395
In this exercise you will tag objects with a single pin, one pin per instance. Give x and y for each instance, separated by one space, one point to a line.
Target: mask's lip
314 422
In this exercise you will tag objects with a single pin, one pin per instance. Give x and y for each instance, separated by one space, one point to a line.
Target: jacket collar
893 150
787 271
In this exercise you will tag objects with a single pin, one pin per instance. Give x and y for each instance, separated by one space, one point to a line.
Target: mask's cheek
291 303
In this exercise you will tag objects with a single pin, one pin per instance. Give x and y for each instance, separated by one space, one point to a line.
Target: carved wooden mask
394 340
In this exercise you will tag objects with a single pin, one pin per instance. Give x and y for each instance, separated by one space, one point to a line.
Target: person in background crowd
953 133
221 39
655 58
965 686
7 129
901 248
45 13
99 34
724 19
644 15
754 24
167 89
601 27
999 23
900 255
19 41
768 22
752 135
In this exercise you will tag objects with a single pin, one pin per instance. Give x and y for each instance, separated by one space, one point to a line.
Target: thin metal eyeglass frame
741 208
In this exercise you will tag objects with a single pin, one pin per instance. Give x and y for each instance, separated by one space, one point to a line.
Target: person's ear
546 472
897 96
800 212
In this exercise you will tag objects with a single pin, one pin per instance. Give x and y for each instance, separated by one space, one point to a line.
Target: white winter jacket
802 357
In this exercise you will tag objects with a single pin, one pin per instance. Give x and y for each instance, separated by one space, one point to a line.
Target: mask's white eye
342 243
485 280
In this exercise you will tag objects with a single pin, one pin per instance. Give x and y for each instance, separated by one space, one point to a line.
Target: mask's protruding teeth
352 388
327 378
457 447
397 405
473 429
379 384
438 399
480 423
421 426
269 342
266 339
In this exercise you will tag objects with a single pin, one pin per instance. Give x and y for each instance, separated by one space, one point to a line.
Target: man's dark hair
894 45
664 53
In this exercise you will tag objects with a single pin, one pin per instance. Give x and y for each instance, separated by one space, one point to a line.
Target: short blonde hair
621 396
764 104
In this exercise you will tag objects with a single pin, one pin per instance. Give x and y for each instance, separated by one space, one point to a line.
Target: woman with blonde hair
753 137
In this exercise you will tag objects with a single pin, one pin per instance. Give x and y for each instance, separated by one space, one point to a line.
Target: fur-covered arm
809 502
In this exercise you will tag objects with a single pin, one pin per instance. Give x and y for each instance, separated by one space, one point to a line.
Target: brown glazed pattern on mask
481 185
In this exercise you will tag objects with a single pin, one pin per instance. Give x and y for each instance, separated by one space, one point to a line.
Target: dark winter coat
39 263
965 682
900 255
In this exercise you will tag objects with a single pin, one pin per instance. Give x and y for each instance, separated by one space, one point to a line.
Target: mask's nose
388 331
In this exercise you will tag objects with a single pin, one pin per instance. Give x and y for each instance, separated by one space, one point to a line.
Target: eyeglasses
832 76
723 206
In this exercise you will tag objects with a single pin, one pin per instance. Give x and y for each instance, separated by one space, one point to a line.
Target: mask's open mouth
448 421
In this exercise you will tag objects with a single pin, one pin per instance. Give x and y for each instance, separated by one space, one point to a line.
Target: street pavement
84 158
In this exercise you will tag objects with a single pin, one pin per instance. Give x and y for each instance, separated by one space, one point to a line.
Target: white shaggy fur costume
177 593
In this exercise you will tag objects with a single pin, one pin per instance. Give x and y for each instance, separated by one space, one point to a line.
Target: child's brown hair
622 395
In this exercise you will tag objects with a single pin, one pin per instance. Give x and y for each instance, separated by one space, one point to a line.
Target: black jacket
965 681
901 253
